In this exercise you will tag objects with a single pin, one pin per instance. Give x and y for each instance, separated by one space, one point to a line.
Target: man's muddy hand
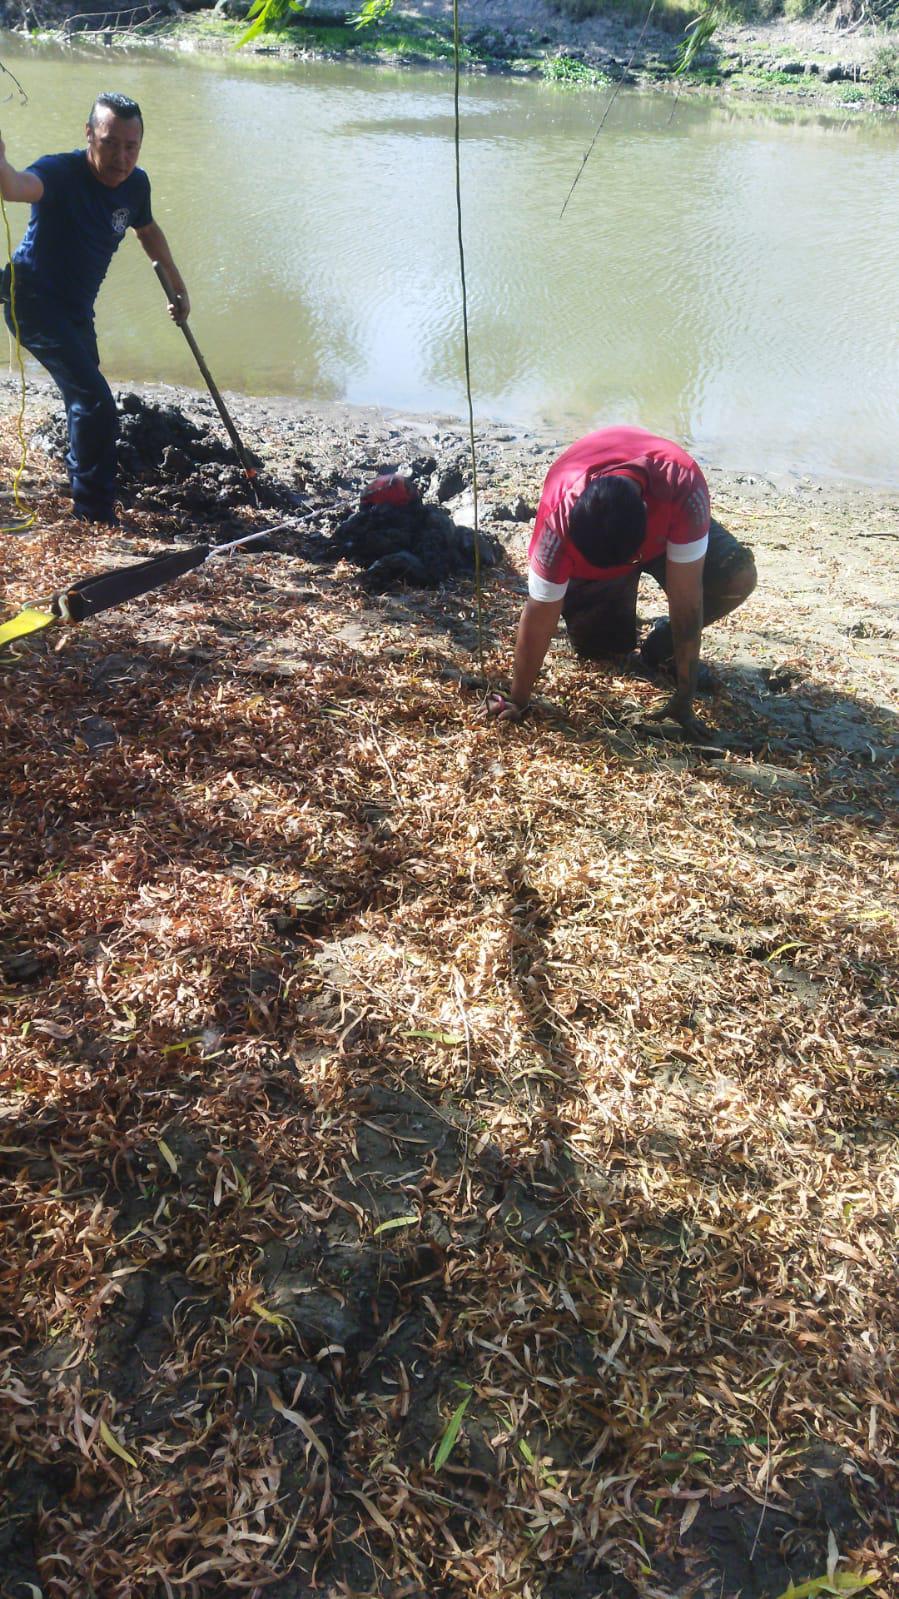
503 709
179 308
679 709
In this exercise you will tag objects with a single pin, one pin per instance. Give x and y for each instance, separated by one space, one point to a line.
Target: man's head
607 523
114 131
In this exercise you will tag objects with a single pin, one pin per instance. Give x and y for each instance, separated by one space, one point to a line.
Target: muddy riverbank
829 566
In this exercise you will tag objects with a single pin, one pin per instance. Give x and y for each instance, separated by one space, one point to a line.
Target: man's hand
503 709
179 308
679 709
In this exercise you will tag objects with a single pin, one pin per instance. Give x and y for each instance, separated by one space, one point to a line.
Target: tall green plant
265 15
698 33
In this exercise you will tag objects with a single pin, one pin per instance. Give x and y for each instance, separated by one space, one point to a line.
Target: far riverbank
811 62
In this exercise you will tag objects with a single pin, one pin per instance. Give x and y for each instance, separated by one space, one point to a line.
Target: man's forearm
686 629
23 186
539 621
156 245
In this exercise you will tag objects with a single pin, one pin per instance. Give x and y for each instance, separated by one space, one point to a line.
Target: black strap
93 594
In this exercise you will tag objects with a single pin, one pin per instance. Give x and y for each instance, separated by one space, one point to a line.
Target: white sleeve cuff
539 588
680 554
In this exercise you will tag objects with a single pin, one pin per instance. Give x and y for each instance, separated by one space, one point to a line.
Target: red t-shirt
673 488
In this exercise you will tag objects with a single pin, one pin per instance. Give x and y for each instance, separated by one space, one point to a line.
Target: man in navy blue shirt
82 205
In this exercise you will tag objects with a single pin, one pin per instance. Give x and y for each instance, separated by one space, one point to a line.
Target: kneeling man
617 503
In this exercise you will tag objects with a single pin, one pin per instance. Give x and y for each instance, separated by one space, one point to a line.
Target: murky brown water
725 275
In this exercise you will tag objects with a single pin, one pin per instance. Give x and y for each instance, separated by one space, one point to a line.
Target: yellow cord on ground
27 516
474 458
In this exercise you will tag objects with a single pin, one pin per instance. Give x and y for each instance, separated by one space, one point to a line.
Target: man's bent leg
68 350
728 578
601 618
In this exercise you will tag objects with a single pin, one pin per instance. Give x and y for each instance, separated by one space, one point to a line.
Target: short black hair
119 105
607 523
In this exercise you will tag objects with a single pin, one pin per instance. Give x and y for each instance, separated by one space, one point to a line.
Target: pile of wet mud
171 462
418 545
177 464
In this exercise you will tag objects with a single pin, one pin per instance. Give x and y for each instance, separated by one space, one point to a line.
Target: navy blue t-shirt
76 228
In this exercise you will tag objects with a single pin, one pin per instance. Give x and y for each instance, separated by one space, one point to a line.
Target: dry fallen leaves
314 957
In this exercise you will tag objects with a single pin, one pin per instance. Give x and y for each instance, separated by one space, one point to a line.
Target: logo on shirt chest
120 220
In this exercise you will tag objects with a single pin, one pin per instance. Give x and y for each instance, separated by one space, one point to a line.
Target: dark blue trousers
66 345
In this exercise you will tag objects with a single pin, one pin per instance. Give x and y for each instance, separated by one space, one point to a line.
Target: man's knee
601 617
732 580
593 646
742 577
600 636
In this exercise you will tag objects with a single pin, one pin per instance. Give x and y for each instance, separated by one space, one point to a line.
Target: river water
727 275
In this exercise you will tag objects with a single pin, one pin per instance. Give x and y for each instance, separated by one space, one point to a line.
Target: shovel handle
230 429
167 285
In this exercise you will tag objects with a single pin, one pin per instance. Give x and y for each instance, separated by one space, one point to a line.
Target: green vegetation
885 75
778 79
700 75
566 72
405 38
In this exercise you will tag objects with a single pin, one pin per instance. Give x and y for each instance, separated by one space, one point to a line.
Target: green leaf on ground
394 1222
448 1440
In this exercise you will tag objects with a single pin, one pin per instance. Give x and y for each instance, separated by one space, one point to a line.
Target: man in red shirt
617 503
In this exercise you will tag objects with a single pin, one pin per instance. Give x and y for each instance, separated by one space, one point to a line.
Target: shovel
173 298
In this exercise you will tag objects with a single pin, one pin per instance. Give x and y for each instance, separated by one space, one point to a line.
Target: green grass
706 75
197 24
383 40
425 40
566 73
781 80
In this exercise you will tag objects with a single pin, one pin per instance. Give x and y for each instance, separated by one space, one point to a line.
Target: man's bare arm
539 621
683 583
24 186
154 241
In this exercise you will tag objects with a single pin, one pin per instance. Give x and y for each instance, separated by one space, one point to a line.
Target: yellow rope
474 457
27 516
